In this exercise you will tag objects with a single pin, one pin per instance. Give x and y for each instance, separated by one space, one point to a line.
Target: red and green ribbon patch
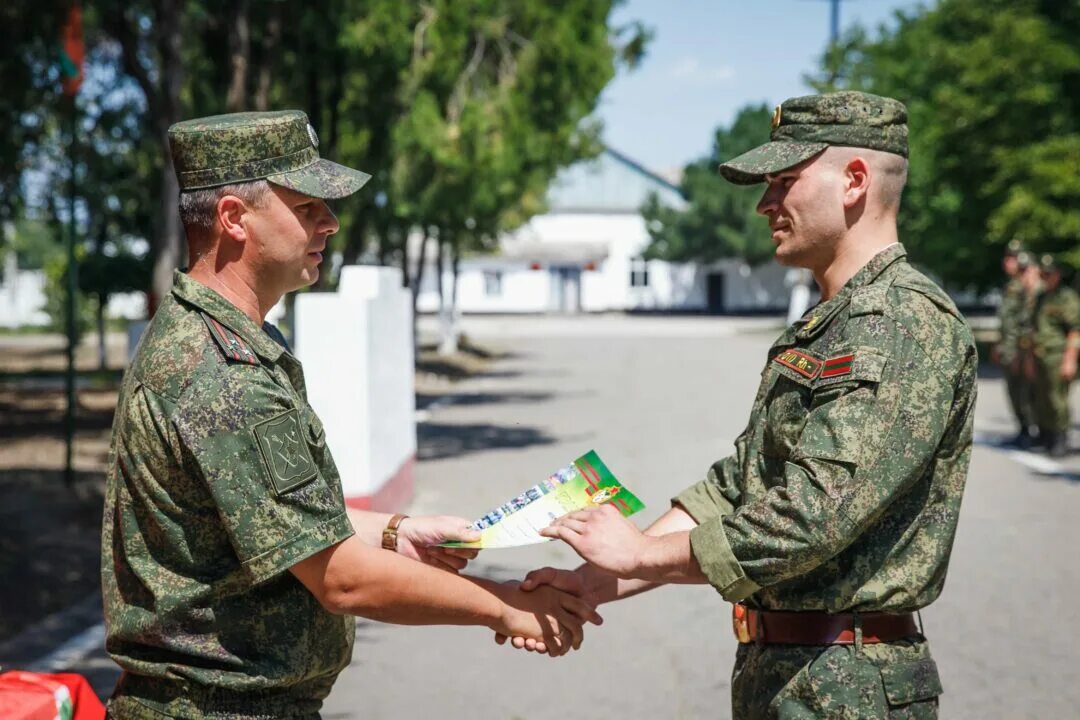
837 366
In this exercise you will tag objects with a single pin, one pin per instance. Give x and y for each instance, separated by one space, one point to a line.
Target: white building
585 255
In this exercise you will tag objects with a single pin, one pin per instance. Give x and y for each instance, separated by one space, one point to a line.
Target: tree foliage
993 93
462 111
720 220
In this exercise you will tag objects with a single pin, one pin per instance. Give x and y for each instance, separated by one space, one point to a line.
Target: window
492 283
639 272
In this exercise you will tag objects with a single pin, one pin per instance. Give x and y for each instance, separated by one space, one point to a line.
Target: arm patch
285 451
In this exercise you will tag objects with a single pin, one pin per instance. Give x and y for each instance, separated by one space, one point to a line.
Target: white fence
356 347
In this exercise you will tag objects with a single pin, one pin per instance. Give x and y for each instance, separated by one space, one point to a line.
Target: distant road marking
72 651
1033 461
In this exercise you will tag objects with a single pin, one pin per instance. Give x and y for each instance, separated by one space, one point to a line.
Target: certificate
585 483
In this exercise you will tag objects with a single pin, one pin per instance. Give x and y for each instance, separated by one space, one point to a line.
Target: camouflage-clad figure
231 569
848 479
1055 343
211 403
833 521
1013 318
220 480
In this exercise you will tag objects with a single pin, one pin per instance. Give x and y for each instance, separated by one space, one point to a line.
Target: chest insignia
799 362
837 366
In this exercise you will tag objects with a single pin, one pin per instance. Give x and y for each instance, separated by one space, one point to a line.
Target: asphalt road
660 399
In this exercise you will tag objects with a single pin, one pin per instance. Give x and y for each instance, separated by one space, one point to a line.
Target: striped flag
72 51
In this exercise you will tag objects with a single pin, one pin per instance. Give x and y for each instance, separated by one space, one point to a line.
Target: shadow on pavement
50 543
438 441
425 400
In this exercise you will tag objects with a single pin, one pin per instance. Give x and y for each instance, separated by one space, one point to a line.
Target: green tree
993 95
720 220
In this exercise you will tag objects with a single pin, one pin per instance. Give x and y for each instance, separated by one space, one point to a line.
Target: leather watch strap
390 532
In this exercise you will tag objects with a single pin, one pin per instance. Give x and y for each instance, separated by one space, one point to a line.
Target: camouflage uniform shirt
1010 318
219 481
844 490
1056 314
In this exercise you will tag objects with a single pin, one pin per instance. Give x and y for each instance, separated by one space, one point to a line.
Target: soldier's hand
1068 368
552 619
568 581
603 537
418 538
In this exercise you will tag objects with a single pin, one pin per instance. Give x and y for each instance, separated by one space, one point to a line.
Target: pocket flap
908 682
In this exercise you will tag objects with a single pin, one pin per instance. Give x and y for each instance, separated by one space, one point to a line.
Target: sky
708 58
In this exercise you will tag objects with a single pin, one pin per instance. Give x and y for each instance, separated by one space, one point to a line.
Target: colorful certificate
585 483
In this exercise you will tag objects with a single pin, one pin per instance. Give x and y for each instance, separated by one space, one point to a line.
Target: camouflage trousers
1051 395
893 681
1021 391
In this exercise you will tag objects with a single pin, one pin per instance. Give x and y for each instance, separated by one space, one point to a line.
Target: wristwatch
390 532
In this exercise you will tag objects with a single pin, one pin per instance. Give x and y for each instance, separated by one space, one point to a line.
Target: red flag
72 51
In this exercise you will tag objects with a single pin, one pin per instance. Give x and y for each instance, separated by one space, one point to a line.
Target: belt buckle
740 623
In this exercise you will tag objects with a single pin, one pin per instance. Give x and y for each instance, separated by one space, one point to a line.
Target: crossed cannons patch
285 451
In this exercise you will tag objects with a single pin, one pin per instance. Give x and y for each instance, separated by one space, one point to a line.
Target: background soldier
833 520
1007 351
1056 343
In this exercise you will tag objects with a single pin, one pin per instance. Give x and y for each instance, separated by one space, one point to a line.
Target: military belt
819 628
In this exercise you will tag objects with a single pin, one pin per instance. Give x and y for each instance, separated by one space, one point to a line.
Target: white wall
356 347
672 286
22 300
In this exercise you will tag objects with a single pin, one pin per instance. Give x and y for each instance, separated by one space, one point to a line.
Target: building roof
609 183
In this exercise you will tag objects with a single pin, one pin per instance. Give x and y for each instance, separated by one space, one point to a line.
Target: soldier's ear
856 181
230 214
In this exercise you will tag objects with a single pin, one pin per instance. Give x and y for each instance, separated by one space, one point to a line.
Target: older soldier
1056 343
832 522
231 568
1007 352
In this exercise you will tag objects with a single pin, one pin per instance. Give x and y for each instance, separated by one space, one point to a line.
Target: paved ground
660 401
660 398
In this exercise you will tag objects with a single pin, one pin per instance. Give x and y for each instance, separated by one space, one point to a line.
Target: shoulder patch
231 345
285 452
802 363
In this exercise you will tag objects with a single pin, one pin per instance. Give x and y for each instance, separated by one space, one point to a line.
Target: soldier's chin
786 255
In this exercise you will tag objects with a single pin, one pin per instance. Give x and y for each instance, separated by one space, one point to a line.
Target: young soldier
832 523
1055 345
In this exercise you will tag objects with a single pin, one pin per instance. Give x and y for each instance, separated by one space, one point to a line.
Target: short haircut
198 208
890 172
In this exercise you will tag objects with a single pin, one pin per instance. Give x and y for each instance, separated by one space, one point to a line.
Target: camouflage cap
280 147
804 126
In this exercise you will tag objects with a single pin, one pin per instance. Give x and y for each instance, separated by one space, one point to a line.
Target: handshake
547 611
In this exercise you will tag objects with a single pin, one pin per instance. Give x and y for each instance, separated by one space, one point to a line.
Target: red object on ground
39 696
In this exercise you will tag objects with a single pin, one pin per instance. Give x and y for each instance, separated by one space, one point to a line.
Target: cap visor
751 167
322 179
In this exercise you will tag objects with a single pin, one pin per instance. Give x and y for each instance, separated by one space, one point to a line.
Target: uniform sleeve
868 437
1072 312
718 494
1007 317
277 494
